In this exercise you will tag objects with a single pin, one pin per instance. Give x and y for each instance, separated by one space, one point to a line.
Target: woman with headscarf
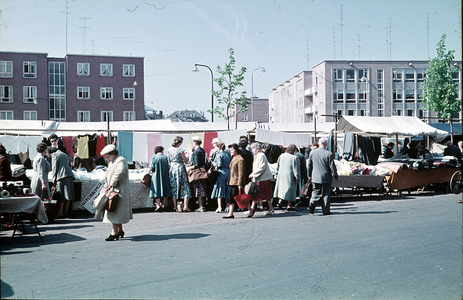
116 179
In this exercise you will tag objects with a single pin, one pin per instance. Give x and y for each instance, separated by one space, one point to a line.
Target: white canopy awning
389 126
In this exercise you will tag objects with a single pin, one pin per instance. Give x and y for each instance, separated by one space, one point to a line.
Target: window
397 74
6 93
244 117
83 116
397 112
128 70
129 116
83 69
106 69
397 95
419 94
83 92
337 75
420 74
29 69
361 112
362 96
338 96
350 75
29 94
129 93
339 113
57 91
6 115
350 96
106 115
410 95
350 112
106 93
6 69
409 112
362 73
380 99
409 75
30 115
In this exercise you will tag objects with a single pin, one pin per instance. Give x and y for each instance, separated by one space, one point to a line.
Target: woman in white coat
117 178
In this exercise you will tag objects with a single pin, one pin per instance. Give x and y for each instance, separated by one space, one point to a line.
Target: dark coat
321 166
198 157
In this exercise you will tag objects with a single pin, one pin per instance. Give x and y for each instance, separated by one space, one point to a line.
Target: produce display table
358 183
409 178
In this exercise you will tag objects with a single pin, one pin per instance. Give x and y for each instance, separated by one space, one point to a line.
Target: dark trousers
321 193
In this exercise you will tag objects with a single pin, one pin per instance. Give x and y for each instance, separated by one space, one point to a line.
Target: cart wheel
456 184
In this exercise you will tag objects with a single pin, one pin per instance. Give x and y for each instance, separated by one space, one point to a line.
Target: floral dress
222 161
177 174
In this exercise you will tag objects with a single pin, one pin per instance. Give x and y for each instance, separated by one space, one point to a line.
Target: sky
283 36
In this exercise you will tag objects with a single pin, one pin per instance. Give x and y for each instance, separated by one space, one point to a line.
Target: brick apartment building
76 88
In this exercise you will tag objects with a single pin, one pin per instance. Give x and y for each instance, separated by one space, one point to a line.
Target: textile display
348 147
229 137
82 147
125 145
15 144
67 144
140 149
100 144
153 140
91 145
207 142
349 181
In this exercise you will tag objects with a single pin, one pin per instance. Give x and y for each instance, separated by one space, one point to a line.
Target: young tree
230 102
439 90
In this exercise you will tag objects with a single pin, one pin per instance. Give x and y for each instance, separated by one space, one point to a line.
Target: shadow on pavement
6 289
157 237
33 240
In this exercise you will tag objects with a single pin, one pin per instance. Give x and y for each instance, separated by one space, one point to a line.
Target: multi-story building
354 88
76 88
257 111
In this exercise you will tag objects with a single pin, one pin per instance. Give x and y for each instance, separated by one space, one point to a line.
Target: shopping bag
243 200
113 200
251 188
212 175
196 174
146 180
100 201
306 189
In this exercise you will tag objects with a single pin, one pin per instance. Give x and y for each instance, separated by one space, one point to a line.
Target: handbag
196 174
306 189
243 200
146 180
100 201
55 194
212 175
113 199
252 188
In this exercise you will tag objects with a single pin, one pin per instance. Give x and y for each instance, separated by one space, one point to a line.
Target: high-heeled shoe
121 234
112 237
251 214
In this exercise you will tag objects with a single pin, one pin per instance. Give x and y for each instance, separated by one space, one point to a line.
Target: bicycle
456 182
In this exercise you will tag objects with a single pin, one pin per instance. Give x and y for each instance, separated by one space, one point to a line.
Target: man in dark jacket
452 150
321 172
248 158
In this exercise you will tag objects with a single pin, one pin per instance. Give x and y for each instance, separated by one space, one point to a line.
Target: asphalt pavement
369 248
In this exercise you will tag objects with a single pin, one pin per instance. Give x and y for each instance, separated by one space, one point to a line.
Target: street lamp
212 88
364 79
133 100
48 109
252 91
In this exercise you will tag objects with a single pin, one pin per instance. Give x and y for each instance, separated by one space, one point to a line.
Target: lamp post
48 108
212 88
364 79
252 91
133 101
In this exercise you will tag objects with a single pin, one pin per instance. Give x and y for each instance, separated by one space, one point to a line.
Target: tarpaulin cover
395 125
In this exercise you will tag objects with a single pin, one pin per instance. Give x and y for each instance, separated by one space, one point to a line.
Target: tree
230 102
439 90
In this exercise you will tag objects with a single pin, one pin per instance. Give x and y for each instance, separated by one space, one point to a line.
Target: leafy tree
230 102
439 90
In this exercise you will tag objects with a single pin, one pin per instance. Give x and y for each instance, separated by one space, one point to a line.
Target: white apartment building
354 88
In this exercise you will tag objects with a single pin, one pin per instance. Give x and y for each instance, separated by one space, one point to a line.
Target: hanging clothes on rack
100 144
67 143
82 146
91 145
124 145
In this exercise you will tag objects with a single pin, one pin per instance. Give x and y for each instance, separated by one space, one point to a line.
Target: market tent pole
315 128
108 139
451 130
396 144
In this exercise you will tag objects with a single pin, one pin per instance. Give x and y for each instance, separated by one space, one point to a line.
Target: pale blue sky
174 35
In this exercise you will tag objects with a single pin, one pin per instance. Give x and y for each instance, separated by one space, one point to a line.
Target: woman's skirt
198 188
65 187
232 191
265 191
